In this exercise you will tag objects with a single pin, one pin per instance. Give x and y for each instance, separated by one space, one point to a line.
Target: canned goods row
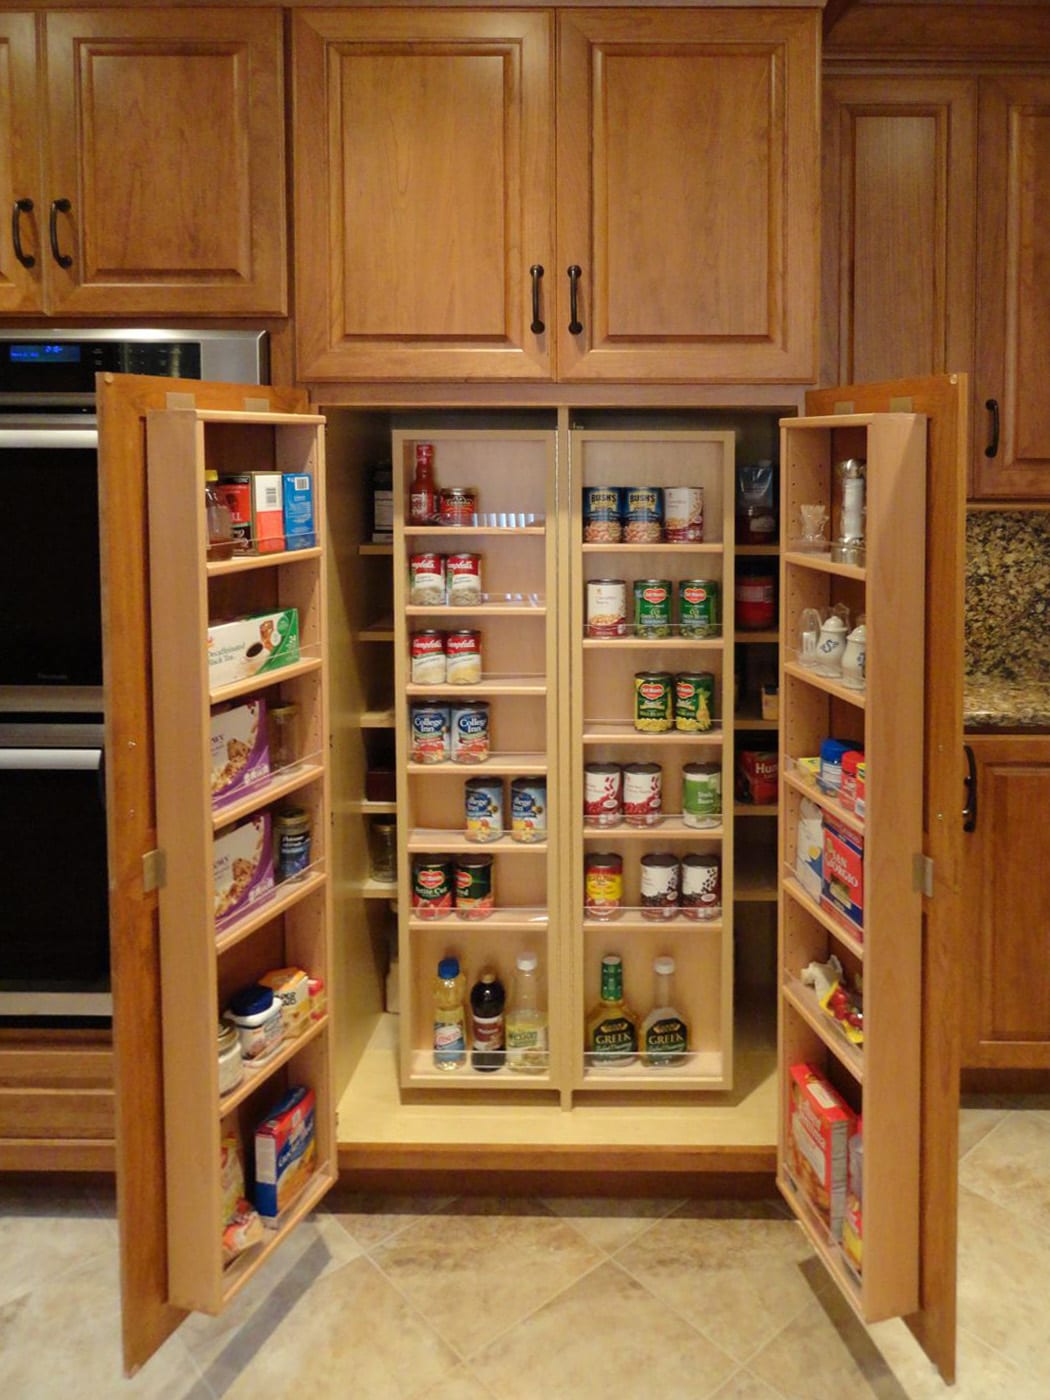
483 800
685 701
633 793
668 885
441 732
442 883
437 579
446 658
698 611
643 514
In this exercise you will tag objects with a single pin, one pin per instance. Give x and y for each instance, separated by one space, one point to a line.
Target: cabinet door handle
992 405
21 206
59 206
536 272
969 813
575 273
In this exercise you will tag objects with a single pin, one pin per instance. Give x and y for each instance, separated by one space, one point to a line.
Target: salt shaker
831 646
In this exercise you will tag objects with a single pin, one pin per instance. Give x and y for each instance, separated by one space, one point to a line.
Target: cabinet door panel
167 139
687 194
423 193
19 163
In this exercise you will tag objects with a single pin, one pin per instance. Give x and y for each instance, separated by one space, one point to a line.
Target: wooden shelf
622 731
767 637
378 719
376 548
838 928
278 785
524 919
700 1070
244 1268
829 1253
825 683
755 809
632 921
447 531
248 563
488 685
710 547
670 827
497 764
284 896
823 563
446 613
802 999
377 889
648 643
824 801
453 841
382 631
256 1074
251 685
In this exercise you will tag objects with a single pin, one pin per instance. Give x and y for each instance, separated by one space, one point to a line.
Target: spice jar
291 841
282 720
231 1062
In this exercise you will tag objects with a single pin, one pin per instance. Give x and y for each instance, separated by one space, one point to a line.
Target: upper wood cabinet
434 240
152 152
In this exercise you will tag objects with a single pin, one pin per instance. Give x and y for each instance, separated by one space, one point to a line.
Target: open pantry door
910 1056
124 401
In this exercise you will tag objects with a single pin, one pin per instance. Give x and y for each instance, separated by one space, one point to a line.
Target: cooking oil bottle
450 1016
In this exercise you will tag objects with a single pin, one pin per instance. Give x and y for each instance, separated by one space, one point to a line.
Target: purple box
240 750
242 859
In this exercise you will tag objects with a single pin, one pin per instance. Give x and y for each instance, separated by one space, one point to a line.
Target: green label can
652 607
694 701
653 702
699 613
702 794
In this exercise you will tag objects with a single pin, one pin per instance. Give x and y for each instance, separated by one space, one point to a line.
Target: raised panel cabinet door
166 150
423 194
1008 907
1012 438
898 214
688 195
20 213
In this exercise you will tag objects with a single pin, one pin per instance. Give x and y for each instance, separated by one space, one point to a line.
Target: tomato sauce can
428 657
699 614
457 505
474 893
483 800
602 884
429 722
652 607
659 885
602 794
683 514
694 701
701 886
606 607
528 809
653 702
642 793
469 731
463 575
432 887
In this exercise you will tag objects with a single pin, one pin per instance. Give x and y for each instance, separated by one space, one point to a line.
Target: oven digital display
45 353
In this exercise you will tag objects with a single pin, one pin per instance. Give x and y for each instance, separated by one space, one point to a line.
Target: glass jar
282 722
231 1063
382 849
291 843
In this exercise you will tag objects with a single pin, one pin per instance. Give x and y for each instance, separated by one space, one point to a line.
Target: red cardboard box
820 1125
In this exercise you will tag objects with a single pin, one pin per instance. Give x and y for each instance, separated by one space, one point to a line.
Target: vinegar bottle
422 498
487 998
450 1016
526 1024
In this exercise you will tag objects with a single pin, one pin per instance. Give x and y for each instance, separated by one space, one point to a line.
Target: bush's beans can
702 794
428 657
603 794
483 799
659 885
642 790
463 653
528 809
701 886
653 702
694 701
643 514
426 580
432 887
602 883
469 731
652 607
463 579
429 721
606 607
601 515
474 894
683 514
457 505
699 614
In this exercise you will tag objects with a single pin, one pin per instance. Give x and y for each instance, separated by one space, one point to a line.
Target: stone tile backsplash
1008 594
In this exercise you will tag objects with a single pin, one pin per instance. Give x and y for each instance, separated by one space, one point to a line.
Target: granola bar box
243 866
820 1125
240 750
285 1153
246 646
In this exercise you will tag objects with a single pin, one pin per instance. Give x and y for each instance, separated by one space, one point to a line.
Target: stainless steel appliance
54 939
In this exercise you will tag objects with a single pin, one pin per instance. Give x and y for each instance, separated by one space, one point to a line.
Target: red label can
463 649
603 884
428 657
458 506
463 572
431 887
642 789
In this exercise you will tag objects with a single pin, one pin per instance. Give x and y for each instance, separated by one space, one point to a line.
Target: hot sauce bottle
422 497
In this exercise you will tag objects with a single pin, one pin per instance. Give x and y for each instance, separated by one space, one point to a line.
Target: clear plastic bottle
664 1034
526 1023
219 517
450 1016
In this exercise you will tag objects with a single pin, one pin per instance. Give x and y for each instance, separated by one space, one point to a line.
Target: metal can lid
642 768
470 862
661 859
604 860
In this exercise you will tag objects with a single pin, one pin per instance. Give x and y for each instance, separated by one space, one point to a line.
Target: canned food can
463 652
642 793
428 657
643 514
463 579
474 893
756 602
653 702
432 887
694 701
483 800
659 885
701 886
602 523
683 514
702 794
602 884
606 607
652 607
699 613
426 580
429 722
291 831
469 731
457 505
528 809
603 794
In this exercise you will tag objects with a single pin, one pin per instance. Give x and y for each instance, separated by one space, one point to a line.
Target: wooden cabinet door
1007 906
898 205
1013 290
423 193
687 194
166 137
20 285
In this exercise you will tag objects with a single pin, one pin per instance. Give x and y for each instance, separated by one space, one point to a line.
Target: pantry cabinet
672 239
145 170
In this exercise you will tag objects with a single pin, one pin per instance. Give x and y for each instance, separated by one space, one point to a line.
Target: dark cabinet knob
536 273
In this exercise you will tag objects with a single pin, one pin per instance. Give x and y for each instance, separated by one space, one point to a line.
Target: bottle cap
527 962
448 968
663 966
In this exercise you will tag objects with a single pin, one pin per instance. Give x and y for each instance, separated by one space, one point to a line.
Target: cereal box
842 875
285 1153
297 500
820 1125
245 646
242 858
240 750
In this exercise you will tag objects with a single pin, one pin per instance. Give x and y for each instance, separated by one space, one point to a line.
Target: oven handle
48 437
62 760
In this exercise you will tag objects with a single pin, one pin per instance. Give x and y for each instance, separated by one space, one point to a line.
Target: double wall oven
54 924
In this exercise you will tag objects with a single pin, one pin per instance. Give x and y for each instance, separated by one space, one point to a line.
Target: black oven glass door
49 563
54 917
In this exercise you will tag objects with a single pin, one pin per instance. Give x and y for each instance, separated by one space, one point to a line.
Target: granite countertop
992 702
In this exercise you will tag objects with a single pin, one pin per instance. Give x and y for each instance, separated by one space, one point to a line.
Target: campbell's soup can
469 731
601 515
475 898
603 794
701 886
606 607
653 702
602 883
699 614
528 809
694 701
426 580
429 722
659 885
428 657
483 800
643 514
702 794
642 793
463 653
432 886
463 579
683 514
652 607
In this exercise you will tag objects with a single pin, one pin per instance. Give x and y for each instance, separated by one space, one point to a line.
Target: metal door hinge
922 874
154 870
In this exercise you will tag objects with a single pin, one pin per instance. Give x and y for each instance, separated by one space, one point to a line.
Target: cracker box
292 987
246 646
820 1125
242 858
285 1153
297 501
240 750
842 874
267 514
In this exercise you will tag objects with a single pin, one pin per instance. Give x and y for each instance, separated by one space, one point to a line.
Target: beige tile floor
553 1299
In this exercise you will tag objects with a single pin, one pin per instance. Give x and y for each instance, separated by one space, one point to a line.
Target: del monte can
653 702
698 610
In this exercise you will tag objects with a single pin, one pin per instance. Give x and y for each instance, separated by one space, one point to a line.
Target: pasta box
842 873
